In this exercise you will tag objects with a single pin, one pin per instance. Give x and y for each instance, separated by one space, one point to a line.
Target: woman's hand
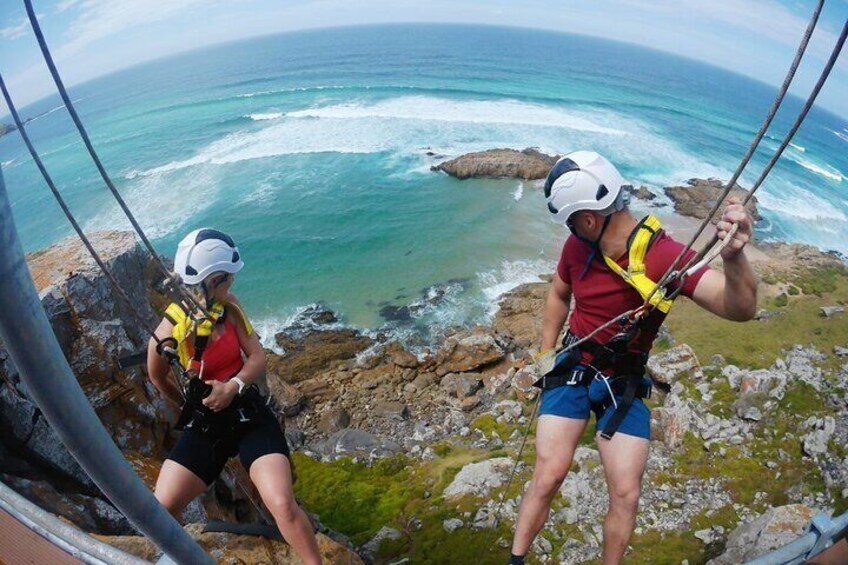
221 396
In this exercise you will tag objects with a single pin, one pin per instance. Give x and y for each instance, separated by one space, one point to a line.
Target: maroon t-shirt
602 294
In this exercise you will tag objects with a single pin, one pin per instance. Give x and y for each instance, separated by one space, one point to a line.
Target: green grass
758 343
357 500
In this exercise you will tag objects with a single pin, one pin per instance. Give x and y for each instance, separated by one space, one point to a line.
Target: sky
90 38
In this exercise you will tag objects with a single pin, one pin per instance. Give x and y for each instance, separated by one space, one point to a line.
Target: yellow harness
635 275
186 325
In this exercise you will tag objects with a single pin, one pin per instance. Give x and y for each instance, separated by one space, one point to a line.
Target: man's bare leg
556 440
624 458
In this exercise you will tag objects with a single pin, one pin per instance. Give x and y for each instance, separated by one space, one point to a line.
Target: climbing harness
637 248
672 274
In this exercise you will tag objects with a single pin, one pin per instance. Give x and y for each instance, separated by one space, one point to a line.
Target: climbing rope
79 231
633 316
834 55
666 279
170 278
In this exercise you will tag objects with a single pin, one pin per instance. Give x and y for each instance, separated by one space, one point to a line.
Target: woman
225 354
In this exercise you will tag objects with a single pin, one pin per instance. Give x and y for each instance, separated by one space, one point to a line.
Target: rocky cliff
407 452
95 329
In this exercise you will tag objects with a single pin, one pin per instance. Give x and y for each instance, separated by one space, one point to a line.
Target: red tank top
601 294
222 357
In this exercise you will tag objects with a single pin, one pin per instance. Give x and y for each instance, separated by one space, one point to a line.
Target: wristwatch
241 384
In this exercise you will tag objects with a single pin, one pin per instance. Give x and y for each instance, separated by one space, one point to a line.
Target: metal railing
32 346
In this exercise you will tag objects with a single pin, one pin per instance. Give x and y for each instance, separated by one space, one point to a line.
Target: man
586 193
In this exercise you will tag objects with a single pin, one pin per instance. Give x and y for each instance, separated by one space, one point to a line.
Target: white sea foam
433 109
801 204
519 191
823 170
841 135
510 274
399 125
7 164
798 147
267 116
162 204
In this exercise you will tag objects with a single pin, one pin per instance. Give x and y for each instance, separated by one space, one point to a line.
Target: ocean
313 150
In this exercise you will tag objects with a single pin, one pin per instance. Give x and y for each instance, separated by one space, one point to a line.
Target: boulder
467 385
677 363
831 311
519 315
317 390
357 442
775 528
312 351
452 524
522 383
477 479
371 548
671 422
468 351
392 410
290 400
699 195
529 164
333 420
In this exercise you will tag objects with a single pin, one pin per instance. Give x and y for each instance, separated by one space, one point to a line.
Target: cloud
99 19
65 5
16 31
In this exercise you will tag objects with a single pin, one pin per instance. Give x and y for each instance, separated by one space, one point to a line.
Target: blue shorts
576 402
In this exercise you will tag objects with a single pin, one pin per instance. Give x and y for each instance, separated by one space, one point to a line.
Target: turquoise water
311 149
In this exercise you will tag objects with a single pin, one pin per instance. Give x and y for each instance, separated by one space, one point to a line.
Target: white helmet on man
584 180
206 251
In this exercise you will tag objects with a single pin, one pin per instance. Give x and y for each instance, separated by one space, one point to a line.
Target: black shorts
205 454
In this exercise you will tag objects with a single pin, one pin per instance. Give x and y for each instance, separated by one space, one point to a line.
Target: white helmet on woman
206 251
584 180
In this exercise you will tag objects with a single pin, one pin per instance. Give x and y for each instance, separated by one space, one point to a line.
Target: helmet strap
595 245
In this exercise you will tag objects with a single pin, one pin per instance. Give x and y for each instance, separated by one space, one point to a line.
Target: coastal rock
87 512
519 315
678 363
642 193
529 164
699 195
352 441
477 479
290 400
94 329
333 420
310 350
392 410
372 546
232 548
775 528
468 351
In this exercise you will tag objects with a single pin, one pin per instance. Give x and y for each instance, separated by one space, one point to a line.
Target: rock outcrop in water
529 164
699 195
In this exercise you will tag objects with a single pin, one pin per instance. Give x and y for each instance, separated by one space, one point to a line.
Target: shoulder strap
185 325
637 248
